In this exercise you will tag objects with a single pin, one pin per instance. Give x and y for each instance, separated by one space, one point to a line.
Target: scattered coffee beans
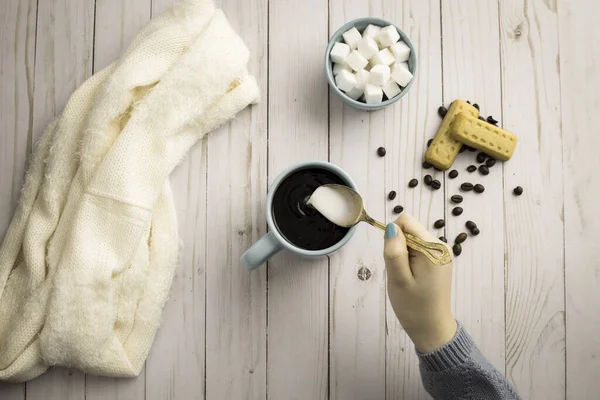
480 157
457 249
426 165
437 169
429 142
484 170
381 151
490 162
460 238
467 187
471 149
470 225
462 149
392 195
413 183
518 191
435 184
440 223
428 179
479 188
481 118
456 199
468 102
453 174
491 120
442 111
457 211
398 209
443 239
471 168
475 231
476 106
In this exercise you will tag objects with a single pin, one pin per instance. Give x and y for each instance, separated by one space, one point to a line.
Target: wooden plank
236 300
116 23
297 364
535 326
357 307
176 365
409 125
580 54
64 46
471 71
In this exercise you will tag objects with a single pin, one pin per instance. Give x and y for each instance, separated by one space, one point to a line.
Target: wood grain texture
535 330
471 68
579 39
116 23
357 307
64 48
408 127
236 299
297 363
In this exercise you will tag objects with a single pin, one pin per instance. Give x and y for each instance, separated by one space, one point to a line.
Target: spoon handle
437 253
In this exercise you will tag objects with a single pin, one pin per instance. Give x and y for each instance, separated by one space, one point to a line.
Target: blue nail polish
391 230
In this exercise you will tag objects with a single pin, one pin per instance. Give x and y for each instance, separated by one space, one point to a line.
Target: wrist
433 337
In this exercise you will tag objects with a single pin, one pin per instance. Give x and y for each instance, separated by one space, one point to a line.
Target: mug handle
266 247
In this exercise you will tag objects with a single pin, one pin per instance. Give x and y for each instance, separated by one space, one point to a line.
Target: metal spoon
355 212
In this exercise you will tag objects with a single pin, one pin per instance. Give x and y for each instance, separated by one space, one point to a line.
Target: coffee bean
440 223
470 225
481 118
442 111
491 120
398 209
476 106
480 157
426 165
479 188
381 151
453 174
457 249
392 195
475 231
490 162
457 211
484 170
468 102
443 239
518 191
460 238
471 149
437 169
435 184
429 142
427 179
413 183
471 168
456 199
467 187
462 149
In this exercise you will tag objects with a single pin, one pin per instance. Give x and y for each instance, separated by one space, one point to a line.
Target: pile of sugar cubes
371 64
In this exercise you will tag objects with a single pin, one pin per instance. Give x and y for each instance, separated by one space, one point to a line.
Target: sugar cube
339 52
356 61
371 31
401 51
388 36
362 78
367 47
373 94
355 93
352 37
401 74
337 67
380 74
391 89
345 80
384 57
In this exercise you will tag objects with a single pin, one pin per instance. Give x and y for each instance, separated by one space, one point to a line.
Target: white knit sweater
88 260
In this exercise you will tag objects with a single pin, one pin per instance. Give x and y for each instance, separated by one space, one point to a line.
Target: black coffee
299 223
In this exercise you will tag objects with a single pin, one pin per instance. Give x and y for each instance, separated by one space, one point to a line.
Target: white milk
335 205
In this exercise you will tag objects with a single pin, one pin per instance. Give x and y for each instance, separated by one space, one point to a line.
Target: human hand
419 290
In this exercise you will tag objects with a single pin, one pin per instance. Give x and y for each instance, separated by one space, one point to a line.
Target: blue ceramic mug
273 242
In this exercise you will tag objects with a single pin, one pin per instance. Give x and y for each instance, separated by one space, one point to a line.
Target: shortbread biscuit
483 136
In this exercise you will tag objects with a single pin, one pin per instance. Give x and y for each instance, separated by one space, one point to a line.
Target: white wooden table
527 288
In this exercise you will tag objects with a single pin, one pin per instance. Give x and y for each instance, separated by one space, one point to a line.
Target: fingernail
391 230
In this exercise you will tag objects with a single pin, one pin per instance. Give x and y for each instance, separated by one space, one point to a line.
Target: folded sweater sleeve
458 370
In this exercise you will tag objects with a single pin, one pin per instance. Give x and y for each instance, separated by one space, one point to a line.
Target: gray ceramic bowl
361 24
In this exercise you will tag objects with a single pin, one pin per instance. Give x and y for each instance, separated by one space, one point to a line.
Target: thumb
395 254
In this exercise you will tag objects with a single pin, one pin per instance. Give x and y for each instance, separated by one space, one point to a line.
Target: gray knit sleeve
458 370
